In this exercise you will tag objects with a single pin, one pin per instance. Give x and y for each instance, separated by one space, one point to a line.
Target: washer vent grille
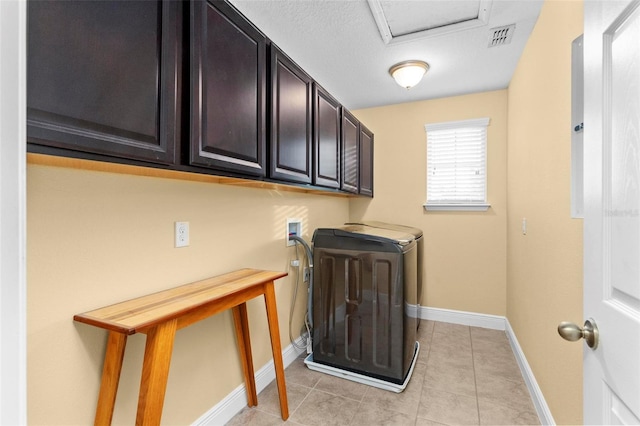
501 35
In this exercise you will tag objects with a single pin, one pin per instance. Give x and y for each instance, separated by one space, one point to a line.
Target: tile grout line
306 396
291 413
424 379
300 405
475 376
357 410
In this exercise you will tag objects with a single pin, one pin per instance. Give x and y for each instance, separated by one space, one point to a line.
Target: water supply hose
309 255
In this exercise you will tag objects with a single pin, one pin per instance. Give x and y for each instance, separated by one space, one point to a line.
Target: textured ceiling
339 44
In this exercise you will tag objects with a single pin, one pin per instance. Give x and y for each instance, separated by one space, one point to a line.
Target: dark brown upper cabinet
366 162
350 152
103 77
190 86
326 138
228 90
291 120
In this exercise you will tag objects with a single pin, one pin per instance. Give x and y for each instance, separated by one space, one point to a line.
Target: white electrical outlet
182 234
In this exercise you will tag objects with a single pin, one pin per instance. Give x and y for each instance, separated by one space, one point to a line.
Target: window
457 165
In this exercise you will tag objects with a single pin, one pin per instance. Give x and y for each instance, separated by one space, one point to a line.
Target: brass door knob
571 332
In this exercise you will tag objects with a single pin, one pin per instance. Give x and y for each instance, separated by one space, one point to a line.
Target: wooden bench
159 315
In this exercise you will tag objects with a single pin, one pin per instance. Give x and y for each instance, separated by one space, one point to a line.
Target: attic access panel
400 21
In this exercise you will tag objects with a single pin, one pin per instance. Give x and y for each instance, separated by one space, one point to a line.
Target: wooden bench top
138 314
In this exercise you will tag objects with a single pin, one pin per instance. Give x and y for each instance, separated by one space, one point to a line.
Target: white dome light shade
408 73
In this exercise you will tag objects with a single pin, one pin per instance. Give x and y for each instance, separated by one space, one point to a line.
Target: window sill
457 207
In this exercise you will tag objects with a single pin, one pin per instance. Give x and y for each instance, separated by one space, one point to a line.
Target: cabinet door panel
366 162
350 154
326 139
291 139
102 77
228 83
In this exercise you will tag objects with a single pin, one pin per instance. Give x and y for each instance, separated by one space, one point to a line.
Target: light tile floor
464 376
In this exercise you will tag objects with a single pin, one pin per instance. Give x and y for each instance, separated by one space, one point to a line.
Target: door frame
13 213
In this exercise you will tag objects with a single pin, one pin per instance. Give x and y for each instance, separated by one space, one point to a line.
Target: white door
612 210
13 214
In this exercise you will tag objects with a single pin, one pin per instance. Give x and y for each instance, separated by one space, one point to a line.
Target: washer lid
416 232
402 238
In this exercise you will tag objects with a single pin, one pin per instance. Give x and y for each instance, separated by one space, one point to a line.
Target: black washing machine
365 300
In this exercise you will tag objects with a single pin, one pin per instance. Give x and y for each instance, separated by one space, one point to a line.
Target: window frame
452 205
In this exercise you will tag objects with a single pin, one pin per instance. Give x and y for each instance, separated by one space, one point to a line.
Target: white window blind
457 165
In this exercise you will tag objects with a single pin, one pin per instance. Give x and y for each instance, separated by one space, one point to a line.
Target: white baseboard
231 405
493 322
544 413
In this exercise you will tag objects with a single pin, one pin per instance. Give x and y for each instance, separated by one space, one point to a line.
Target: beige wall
545 266
465 252
98 238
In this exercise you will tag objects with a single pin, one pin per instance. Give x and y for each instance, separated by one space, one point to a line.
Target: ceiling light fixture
408 73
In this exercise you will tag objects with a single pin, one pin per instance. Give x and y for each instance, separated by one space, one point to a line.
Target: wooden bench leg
276 349
244 345
155 371
110 377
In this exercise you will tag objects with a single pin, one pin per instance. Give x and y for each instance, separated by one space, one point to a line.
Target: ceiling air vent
501 35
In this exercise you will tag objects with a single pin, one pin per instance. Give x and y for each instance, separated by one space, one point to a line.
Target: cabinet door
103 77
366 162
350 152
291 138
326 138
228 82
